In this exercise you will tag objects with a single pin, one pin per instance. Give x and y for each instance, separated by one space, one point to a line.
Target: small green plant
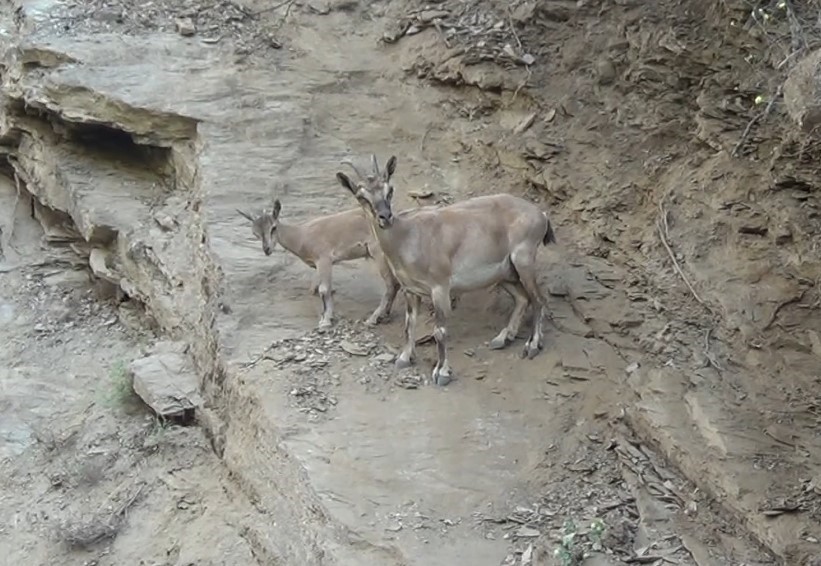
118 389
157 432
575 546
597 529
564 552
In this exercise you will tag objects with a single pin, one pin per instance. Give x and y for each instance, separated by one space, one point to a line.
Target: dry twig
259 358
521 85
276 7
798 41
424 137
441 32
780 306
710 359
664 235
513 29
757 118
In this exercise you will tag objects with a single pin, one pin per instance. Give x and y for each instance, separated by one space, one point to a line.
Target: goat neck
290 238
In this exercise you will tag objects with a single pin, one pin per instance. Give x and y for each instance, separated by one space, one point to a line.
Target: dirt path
333 456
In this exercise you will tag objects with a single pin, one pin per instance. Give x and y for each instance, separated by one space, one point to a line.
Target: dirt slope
621 119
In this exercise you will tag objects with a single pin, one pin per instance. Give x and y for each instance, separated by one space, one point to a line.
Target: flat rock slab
167 383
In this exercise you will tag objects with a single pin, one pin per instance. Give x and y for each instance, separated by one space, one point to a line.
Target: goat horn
356 170
246 215
375 164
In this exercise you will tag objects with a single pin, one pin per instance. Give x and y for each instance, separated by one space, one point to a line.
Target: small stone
421 194
606 71
186 27
354 349
319 7
394 528
528 59
385 358
525 124
508 49
527 556
527 532
430 15
165 221
783 236
632 368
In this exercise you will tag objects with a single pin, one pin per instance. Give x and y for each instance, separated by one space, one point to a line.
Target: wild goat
322 242
436 251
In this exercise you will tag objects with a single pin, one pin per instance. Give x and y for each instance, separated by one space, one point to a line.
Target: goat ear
346 182
277 208
245 215
390 168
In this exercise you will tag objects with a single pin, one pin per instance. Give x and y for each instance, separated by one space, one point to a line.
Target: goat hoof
500 343
530 351
441 378
402 363
324 325
375 320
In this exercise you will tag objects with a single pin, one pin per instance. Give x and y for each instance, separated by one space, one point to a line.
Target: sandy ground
650 426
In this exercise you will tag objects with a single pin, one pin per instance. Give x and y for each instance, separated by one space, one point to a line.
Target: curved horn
356 170
375 164
246 215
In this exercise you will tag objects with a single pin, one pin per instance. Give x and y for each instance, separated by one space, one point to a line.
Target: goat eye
390 193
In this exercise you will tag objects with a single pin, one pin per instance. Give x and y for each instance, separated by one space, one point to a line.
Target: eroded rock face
802 92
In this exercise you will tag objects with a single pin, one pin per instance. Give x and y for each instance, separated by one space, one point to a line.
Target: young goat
437 251
322 242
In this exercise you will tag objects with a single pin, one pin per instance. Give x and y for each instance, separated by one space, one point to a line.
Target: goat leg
521 301
408 354
383 311
440 297
525 267
323 268
314 288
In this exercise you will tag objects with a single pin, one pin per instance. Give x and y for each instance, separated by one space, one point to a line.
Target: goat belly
479 276
411 284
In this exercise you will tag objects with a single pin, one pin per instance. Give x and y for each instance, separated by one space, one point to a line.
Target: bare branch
664 234
757 118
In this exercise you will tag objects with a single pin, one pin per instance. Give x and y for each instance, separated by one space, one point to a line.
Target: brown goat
322 242
438 251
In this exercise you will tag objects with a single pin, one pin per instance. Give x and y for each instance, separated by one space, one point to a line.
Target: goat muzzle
385 219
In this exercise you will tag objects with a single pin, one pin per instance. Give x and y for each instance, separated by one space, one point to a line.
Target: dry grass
83 531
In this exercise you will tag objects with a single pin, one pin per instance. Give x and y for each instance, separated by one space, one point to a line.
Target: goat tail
549 235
